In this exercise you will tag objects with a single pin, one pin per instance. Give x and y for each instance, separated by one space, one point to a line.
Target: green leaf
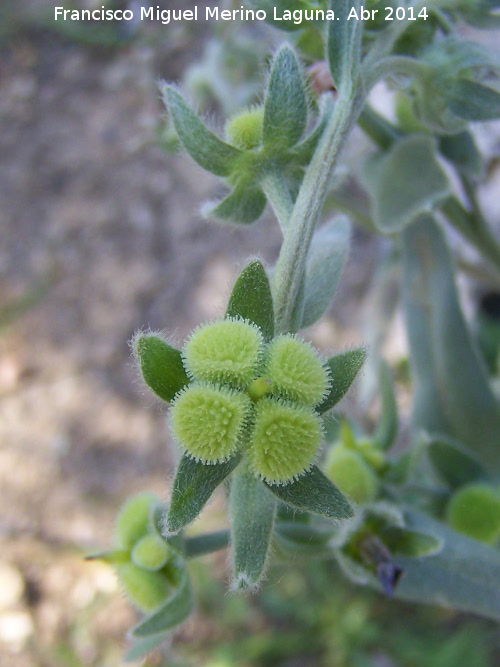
243 205
205 544
175 610
453 463
409 181
326 260
403 542
299 539
344 43
144 646
473 101
313 492
464 575
388 425
205 148
452 395
253 510
193 485
304 151
285 106
161 365
461 150
251 299
343 368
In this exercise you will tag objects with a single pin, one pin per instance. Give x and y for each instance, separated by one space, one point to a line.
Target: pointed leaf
344 43
161 365
313 492
304 151
251 299
343 368
285 106
409 181
175 610
144 646
253 510
388 425
327 257
243 205
204 146
453 463
193 485
473 101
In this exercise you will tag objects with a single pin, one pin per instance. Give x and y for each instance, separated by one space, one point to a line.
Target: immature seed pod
245 130
151 552
132 522
227 351
353 476
208 421
145 589
296 372
284 441
475 510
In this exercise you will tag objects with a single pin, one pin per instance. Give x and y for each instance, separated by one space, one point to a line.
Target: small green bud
350 472
227 351
245 130
148 590
284 441
151 552
296 372
371 454
132 522
208 421
475 510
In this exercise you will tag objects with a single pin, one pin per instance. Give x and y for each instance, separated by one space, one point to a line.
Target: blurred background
100 234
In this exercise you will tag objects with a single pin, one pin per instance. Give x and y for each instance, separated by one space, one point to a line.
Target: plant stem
206 544
278 195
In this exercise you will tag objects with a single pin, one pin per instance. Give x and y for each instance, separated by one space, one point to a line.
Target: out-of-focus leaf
461 150
473 101
344 43
454 464
243 205
388 424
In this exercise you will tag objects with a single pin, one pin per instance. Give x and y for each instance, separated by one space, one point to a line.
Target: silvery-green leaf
253 510
251 299
327 257
314 492
299 539
388 424
160 364
343 369
304 150
453 463
408 181
204 146
285 105
144 646
243 205
404 542
452 395
193 485
473 101
344 43
461 150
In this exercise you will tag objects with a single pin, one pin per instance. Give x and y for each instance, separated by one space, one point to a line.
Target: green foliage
475 510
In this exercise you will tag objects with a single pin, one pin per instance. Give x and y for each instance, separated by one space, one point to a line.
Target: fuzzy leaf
193 485
453 463
409 181
344 43
304 151
251 299
204 146
285 106
144 646
461 150
243 205
253 510
473 101
452 392
313 492
327 257
388 425
343 368
161 365
404 542
299 539
464 574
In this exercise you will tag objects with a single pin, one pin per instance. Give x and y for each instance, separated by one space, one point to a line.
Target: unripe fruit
296 372
475 510
208 421
284 441
132 522
227 351
245 130
353 476
151 552
148 590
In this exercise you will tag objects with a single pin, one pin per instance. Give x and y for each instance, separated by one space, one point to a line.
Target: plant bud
353 476
245 130
227 351
296 372
475 510
284 441
132 522
151 552
208 421
147 590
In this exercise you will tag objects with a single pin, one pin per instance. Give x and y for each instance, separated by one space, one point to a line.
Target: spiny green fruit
245 130
146 589
208 421
151 552
350 472
296 372
132 522
475 510
284 440
227 351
